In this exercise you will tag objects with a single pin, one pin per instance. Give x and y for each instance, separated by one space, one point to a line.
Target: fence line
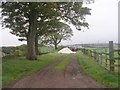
106 59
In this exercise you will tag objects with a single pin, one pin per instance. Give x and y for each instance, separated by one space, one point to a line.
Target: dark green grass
97 72
62 66
17 67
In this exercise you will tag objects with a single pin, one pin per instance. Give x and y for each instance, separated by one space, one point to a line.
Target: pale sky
103 23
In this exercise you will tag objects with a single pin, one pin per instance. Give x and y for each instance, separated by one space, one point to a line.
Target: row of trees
34 20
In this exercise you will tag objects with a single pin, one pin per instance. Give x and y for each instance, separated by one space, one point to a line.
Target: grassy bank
101 75
18 67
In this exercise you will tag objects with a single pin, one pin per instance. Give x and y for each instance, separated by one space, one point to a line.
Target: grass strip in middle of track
62 65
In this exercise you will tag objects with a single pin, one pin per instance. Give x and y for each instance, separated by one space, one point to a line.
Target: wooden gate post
111 55
94 54
101 58
106 63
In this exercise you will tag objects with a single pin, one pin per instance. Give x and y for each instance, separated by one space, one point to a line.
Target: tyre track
29 81
71 77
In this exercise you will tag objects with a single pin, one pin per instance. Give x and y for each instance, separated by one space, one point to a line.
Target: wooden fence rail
106 59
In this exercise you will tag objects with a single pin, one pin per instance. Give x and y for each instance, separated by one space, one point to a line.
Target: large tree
61 32
47 27
24 18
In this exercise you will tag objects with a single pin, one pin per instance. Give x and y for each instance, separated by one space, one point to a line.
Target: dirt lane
28 81
76 78
71 77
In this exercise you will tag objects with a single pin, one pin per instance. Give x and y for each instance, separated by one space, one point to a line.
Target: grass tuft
62 66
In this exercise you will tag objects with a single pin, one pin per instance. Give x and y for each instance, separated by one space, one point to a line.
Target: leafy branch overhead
17 14
32 19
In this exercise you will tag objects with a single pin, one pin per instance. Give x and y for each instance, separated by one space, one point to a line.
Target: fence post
91 53
111 55
106 58
97 57
101 58
94 54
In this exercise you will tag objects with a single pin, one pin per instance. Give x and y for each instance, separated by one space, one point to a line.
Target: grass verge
101 75
18 67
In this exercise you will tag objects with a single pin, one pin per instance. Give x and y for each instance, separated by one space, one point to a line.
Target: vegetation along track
71 77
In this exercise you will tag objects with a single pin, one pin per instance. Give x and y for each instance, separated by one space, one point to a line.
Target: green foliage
18 53
60 47
8 50
97 72
44 50
17 15
17 67
60 32
27 19
23 49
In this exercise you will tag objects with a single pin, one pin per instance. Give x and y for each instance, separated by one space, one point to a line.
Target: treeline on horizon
11 49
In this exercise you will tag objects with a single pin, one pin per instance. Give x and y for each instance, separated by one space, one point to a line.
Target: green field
17 67
97 72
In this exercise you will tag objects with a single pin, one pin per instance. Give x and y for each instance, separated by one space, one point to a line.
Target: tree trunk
31 54
56 46
36 45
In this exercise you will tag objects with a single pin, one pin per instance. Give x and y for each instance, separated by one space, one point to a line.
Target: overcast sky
103 23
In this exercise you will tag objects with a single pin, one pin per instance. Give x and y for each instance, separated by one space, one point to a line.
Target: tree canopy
61 32
26 19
